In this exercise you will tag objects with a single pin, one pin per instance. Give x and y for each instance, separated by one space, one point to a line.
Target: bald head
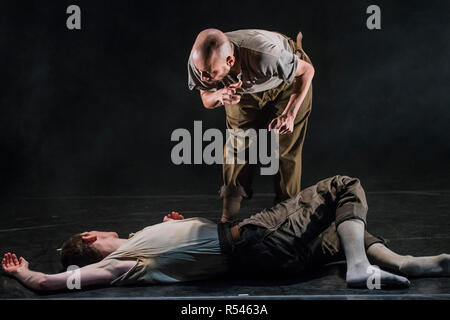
212 50
210 44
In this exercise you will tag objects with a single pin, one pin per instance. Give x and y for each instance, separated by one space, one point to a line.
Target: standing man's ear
89 238
231 60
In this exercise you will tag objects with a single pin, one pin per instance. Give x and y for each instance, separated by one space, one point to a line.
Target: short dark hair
76 252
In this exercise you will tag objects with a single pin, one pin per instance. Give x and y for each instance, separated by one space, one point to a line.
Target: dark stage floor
416 223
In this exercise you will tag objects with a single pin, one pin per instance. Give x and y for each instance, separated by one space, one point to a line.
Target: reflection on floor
416 223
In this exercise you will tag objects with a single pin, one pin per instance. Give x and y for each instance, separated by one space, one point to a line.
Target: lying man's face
88 247
99 234
100 240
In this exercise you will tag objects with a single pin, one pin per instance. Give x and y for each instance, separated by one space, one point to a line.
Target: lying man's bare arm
102 272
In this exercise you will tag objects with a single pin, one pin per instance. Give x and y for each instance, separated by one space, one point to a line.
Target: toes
390 280
444 264
377 280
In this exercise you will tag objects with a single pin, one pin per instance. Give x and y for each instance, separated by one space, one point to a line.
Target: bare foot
426 266
358 277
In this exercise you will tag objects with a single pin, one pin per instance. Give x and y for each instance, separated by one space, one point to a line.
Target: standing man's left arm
303 78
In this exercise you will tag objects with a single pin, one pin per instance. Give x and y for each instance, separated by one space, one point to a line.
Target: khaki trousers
255 111
299 233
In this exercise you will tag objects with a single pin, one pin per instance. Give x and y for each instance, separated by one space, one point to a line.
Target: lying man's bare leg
408 265
351 234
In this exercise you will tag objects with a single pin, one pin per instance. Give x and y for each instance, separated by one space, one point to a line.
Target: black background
91 111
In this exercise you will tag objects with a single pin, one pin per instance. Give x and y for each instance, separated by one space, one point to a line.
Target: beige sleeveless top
172 251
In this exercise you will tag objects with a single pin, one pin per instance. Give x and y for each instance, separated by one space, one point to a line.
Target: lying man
321 224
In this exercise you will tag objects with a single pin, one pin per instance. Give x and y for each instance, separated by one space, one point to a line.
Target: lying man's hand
12 265
173 216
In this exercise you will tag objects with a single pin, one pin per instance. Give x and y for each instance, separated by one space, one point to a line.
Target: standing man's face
216 69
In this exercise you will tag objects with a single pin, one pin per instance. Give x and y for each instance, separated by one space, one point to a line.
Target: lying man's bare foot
359 274
434 266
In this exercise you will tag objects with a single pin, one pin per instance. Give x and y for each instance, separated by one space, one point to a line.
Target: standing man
263 79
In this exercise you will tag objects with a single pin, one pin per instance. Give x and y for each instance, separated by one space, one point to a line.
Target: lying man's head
86 248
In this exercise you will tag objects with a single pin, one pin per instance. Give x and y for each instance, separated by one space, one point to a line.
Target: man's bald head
210 44
211 52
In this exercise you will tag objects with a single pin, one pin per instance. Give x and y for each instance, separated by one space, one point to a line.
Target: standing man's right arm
215 99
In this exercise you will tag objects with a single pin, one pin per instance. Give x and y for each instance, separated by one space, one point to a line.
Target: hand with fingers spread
12 265
284 123
173 216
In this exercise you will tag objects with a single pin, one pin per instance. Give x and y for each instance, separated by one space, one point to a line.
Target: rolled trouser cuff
232 191
232 197
351 211
226 241
370 239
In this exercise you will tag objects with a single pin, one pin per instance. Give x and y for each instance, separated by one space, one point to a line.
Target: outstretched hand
12 265
283 123
173 216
